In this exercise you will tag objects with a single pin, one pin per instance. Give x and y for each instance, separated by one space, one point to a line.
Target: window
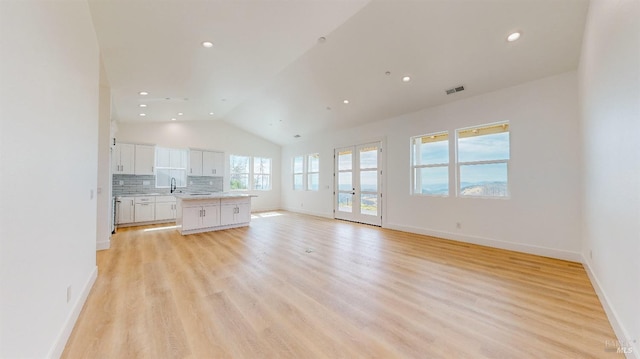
239 167
306 172
298 173
483 161
430 164
261 173
171 163
313 172
250 173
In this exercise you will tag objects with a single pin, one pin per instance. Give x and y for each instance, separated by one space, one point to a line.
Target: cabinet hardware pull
204 211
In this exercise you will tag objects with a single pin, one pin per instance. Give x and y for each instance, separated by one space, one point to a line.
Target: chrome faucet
173 184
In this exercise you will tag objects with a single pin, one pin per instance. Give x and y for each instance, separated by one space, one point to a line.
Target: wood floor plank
296 286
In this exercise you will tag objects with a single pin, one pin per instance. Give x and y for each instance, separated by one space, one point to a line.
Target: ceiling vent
454 90
296 136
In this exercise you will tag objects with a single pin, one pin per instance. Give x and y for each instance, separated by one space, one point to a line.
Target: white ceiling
268 74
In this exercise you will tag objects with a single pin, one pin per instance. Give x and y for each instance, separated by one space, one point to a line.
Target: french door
357 185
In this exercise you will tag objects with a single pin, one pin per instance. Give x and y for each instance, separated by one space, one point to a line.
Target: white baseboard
102 245
60 343
311 213
621 334
517 247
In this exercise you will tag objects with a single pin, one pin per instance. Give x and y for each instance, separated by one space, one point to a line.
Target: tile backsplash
134 184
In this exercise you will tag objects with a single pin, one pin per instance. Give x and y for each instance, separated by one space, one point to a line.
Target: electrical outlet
121 183
90 194
301 204
146 183
68 294
210 183
458 225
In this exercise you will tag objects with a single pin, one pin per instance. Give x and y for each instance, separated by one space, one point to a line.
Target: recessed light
322 39
143 93
143 114
207 44
345 102
143 105
173 119
406 79
388 73
513 37
211 113
180 113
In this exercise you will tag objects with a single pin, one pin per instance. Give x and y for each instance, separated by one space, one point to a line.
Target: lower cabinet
125 210
234 211
201 216
165 208
145 212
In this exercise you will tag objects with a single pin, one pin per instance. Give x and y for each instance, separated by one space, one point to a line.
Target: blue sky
479 148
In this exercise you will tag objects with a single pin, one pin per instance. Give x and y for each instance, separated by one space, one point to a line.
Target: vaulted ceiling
284 68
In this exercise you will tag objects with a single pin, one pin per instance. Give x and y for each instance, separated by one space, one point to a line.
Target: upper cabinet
145 159
172 157
195 163
212 164
123 159
206 163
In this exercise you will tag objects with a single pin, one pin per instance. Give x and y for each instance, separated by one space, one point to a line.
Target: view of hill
489 189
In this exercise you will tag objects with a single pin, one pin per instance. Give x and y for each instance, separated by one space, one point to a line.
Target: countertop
213 195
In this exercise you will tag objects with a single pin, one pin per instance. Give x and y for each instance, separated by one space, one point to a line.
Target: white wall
210 135
49 109
542 215
609 77
104 204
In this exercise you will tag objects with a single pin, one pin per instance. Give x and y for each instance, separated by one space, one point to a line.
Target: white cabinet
165 208
200 216
122 158
125 210
145 158
212 164
145 209
234 211
171 157
206 163
195 163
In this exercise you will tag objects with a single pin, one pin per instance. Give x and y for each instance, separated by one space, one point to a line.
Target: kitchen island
205 212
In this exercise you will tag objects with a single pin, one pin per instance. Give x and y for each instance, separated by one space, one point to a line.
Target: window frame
232 173
251 182
415 167
459 164
309 172
263 174
294 173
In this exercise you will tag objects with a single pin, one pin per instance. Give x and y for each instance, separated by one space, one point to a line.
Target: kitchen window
261 173
430 164
250 173
239 166
171 163
483 161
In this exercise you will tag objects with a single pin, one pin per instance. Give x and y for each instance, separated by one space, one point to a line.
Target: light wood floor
295 286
